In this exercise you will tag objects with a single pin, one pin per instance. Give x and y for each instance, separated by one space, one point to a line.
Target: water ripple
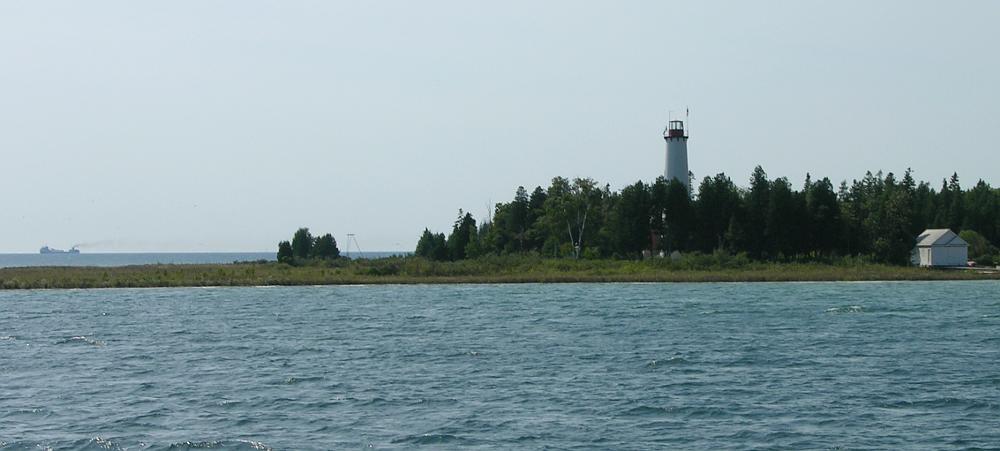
81 339
574 366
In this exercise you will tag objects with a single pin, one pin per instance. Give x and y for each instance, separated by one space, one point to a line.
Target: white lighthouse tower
677 153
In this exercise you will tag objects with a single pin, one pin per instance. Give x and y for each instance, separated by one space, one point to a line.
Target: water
149 258
583 366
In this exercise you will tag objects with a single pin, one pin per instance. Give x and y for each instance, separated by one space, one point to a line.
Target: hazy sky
224 125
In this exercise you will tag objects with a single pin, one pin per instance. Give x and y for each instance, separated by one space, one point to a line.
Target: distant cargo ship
49 250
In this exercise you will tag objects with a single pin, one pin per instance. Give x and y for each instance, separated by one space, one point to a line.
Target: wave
220 444
104 444
432 439
81 339
29 411
292 380
670 361
846 309
90 444
943 403
682 411
646 411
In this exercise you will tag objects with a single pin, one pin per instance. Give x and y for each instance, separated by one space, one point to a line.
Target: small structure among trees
941 247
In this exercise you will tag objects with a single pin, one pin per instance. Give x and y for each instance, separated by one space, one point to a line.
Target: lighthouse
677 153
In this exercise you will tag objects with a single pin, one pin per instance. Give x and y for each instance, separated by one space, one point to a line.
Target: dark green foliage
302 243
474 247
517 219
783 220
893 241
536 204
980 249
678 217
823 218
717 207
876 218
285 252
460 236
956 210
325 247
425 244
432 246
304 249
629 227
982 211
757 204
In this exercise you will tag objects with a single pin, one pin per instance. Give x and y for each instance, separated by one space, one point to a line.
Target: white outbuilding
941 247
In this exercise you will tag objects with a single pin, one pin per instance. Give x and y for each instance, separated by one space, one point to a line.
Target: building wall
944 256
925 256
677 161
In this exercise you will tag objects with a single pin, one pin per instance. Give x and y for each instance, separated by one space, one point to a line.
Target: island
580 231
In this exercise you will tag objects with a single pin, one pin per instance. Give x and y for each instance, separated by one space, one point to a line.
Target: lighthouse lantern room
677 160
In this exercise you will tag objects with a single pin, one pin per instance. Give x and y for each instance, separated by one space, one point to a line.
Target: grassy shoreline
489 270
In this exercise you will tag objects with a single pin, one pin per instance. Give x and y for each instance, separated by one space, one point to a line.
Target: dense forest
876 218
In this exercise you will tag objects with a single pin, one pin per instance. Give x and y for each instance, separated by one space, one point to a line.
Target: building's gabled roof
939 237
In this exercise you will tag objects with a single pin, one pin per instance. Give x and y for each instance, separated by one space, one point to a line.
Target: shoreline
416 272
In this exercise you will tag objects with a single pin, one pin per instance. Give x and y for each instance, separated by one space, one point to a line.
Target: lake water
912 365
149 258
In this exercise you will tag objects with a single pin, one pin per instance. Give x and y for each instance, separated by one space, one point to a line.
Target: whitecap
846 309
221 444
106 443
81 339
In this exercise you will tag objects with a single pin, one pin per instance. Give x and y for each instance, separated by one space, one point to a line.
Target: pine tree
302 243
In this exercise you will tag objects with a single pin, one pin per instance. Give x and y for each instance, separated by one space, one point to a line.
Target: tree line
305 247
877 217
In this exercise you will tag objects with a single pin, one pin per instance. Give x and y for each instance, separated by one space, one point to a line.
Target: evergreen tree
474 248
425 245
942 212
678 216
536 204
325 247
440 248
657 214
823 217
757 201
500 238
956 208
982 211
893 240
718 200
284 252
432 246
629 224
302 243
875 217
518 218
460 235
781 225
